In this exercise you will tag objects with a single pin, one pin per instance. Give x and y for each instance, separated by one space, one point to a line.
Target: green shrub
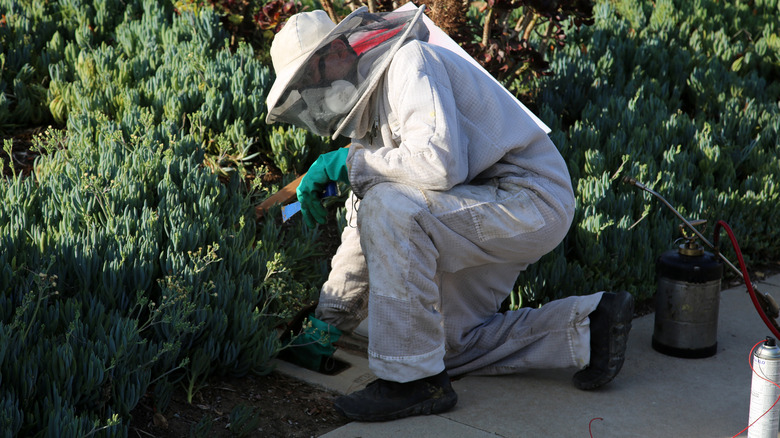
658 92
121 58
32 36
127 267
123 261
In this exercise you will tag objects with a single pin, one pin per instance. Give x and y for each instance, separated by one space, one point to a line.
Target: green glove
314 346
331 166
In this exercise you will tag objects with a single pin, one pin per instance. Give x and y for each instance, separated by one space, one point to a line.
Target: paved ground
654 396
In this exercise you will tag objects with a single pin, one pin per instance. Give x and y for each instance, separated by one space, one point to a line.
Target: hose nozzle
629 180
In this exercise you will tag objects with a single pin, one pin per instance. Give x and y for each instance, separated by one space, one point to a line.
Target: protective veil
335 106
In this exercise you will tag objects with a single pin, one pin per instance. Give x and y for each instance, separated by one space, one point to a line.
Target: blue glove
331 166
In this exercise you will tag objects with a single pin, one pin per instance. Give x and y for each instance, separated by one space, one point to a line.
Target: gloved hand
331 166
314 346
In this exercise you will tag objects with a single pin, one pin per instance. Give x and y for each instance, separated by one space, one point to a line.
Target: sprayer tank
687 302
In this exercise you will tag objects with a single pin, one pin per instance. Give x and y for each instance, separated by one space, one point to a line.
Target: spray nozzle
691 247
770 341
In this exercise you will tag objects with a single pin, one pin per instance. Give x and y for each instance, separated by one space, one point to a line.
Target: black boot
383 400
609 327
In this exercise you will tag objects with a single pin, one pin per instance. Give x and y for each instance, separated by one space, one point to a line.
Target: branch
486 27
529 26
547 38
327 5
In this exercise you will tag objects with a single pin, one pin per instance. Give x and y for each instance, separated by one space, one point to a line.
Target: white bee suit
456 191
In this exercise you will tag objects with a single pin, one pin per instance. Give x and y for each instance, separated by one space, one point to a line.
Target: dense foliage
130 258
682 96
126 265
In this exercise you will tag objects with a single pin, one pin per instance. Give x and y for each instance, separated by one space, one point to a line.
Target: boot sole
426 407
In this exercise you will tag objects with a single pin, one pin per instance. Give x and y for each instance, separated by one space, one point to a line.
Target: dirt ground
274 406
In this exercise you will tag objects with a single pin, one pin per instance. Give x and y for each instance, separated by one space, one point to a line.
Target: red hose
745 276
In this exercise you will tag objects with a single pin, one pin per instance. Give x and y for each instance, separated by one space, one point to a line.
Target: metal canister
687 302
764 392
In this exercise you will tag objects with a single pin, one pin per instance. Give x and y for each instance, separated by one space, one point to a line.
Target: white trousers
431 269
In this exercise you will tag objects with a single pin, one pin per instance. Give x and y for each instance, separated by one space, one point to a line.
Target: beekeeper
455 191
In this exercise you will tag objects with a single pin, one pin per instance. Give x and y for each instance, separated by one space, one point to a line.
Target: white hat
300 37
338 107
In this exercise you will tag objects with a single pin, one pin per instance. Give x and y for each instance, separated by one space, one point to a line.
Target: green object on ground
314 345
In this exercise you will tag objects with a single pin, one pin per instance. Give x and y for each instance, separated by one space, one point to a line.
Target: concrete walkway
654 395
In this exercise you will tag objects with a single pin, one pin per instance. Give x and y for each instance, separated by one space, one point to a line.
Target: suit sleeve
427 152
